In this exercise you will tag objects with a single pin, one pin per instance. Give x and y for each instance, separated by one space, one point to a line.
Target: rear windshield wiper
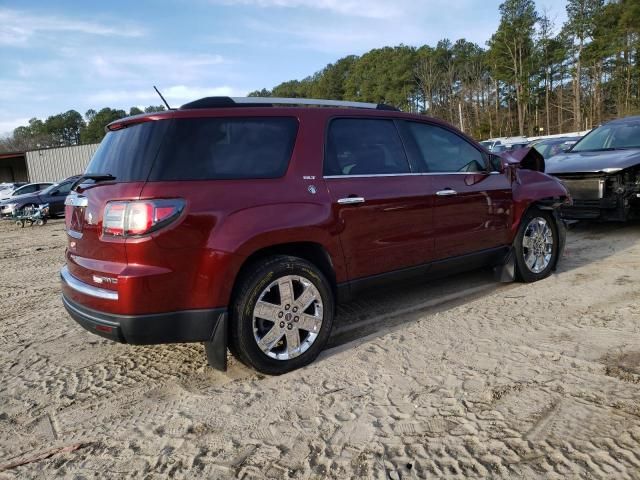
96 177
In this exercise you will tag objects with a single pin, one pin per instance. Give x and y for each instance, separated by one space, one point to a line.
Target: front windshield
611 137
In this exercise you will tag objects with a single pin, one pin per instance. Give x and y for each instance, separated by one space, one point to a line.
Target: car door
472 203
383 210
56 198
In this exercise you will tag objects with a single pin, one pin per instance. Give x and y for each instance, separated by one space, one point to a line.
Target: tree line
67 129
532 77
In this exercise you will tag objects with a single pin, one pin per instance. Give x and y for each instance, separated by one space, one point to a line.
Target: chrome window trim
84 288
329 177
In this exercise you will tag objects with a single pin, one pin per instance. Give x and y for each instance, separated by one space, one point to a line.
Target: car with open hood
549 147
602 172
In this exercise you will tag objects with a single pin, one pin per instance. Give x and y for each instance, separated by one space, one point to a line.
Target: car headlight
9 207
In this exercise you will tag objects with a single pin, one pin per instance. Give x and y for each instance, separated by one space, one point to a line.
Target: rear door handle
446 192
350 200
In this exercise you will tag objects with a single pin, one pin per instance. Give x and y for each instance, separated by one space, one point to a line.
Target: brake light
139 217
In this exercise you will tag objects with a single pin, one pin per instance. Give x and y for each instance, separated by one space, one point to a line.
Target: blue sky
62 55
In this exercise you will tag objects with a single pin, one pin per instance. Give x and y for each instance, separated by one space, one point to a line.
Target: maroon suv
238 222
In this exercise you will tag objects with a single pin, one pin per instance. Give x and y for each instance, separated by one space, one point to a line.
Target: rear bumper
171 327
143 329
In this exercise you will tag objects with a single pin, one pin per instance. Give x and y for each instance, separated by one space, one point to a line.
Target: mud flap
216 348
562 235
506 272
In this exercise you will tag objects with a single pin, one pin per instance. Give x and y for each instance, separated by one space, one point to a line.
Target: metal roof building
53 164
46 165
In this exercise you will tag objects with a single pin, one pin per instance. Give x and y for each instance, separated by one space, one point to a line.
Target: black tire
254 283
523 271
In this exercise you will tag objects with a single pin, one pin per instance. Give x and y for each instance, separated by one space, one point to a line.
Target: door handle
446 192
350 200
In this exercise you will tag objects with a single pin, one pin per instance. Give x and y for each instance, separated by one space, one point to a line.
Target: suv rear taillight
139 217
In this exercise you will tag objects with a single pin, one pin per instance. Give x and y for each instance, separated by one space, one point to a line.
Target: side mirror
495 162
528 158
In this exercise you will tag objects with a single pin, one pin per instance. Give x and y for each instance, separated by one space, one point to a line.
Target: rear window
226 148
128 154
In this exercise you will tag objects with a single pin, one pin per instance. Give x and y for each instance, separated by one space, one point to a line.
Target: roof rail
229 102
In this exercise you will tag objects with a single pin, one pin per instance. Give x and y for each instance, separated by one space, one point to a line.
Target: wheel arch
313 252
550 205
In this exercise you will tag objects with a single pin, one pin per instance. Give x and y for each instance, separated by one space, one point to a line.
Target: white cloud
136 65
18 27
344 36
8 125
175 95
356 8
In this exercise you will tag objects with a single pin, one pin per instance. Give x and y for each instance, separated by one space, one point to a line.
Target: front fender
533 187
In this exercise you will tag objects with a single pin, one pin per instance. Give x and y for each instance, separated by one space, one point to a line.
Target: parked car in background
261 217
549 147
602 172
503 144
517 145
24 189
54 195
7 188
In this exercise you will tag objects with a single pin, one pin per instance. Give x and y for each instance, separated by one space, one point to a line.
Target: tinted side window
364 147
64 188
439 150
226 148
27 189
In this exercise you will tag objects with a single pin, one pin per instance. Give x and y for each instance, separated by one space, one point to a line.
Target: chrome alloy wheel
537 244
287 317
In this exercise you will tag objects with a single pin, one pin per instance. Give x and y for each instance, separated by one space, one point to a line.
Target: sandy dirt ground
459 378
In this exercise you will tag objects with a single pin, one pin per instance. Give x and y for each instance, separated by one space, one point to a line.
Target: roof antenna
165 102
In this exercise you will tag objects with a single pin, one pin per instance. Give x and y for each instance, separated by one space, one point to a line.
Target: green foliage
65 128
384 75
528 76
332 79
154 108
94 132
260 93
